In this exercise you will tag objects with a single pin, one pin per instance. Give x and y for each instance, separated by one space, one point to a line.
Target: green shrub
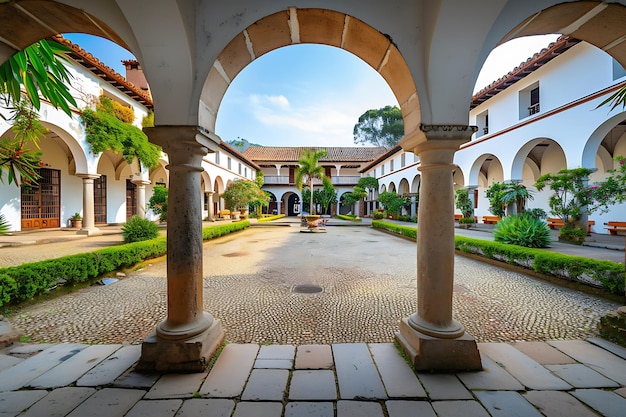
8 288
270 218
377 215
407 231
349 217
137 229
572 234
523 230
467 220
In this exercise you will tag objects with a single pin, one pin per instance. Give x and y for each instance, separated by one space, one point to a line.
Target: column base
428 353
189 355
89 232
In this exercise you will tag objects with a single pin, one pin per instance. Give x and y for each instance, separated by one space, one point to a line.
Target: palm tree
310 170
516 193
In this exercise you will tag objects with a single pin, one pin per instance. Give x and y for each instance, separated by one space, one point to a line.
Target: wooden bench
457 217
615 227
224 214
491 219
558 222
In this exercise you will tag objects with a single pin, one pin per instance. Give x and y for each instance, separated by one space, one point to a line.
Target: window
529 101
382 169
391 166
217 158
402 160
482 121
245 172
229 163
239 169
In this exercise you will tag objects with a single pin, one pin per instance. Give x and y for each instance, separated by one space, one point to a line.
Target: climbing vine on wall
107 130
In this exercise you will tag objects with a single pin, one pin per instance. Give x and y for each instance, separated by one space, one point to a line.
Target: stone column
141 196
413 199
278 208
89 227
431 337
210 214
189 336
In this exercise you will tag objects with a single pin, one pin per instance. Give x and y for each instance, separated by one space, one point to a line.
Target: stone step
231 371
398 378
598 359
111 368
357 375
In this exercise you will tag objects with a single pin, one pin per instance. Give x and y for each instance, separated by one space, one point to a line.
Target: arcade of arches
191 50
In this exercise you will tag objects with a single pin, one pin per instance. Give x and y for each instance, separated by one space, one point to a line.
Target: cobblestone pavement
250 278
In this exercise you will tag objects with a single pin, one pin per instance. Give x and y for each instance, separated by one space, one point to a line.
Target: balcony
337 180
276 179
533 109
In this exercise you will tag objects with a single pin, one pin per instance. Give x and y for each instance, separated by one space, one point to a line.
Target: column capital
449 136
140 181
88 176
172 138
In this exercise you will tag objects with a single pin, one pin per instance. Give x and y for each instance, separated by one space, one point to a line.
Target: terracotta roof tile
292 153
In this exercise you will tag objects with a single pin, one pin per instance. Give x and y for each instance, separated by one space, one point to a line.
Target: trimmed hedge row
597 273
270 218
349 218
19 283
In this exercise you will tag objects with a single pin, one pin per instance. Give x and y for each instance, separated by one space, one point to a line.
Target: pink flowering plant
610 191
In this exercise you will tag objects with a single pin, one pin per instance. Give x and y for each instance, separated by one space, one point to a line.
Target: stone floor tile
606 403
152 408
596 358
111 368
580 376
558 404
108 402
132 379
459 409
258 409
357 375
7 361
176 386
621 391
314 357
29 349
492 377
212 407
273 364
403 408
266 385
398 378
506 404
286 352
313 385
59 402
526 370
611 347
73 368
359 409
543 353
444 387
309 409
21 374
231 371
13 403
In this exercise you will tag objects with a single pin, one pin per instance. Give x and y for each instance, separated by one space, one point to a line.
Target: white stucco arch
596 138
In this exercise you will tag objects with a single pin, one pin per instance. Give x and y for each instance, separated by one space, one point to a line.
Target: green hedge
349 218
19 283
598 273
270 218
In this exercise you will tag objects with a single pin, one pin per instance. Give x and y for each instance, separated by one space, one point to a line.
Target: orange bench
615 227
491 219
558 222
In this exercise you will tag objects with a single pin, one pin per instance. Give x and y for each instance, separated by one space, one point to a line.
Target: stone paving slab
459 409
621 391
284 352
108 402
266 385
132 379
398 378
492 377
73 368
21 374
543 353
7 361
580 376
313 385
403 408
176 386
357 375
444 387
606 403
273 364
59 403
13 403
153 408
212 407
596 358
228 376
558 404
506 404
611 347
258 409
314 357
359 409
309 409
526 370
111 368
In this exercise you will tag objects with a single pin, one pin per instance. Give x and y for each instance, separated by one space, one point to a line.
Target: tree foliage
325 196
380 127
310 170
240 194
571 194
610 191
105 131
502 194
464 203
158 202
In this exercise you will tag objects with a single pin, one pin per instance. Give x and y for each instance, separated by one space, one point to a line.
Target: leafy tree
381 127
504 194
240 194
610 191
310 170
326 196
494 194
106 131
158 202
364 184
464 203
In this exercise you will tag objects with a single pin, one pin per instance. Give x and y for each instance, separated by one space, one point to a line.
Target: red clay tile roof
292 153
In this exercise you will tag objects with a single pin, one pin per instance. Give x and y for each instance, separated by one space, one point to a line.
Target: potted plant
76 221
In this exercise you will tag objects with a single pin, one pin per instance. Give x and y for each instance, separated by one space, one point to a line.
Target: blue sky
309 94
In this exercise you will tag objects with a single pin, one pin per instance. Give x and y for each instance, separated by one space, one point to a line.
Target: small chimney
134 74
